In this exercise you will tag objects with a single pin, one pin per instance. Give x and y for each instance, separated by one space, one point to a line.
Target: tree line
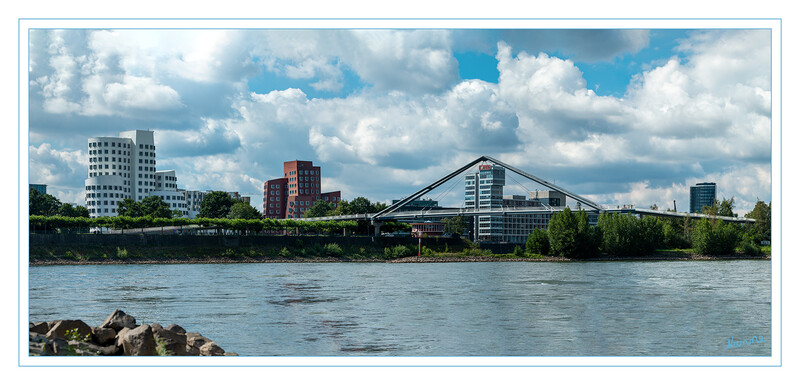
51 223
570 235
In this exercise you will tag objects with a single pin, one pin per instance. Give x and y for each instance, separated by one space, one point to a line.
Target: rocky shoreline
118 335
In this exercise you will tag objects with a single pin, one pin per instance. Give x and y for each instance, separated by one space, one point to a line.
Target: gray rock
120 335
231 354
176 329
60 347
139 342
118 320
174 343
103 336
211 349
191 350
39 327
60 328
89 349
196 340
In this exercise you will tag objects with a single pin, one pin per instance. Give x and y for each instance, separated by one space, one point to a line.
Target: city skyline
619 116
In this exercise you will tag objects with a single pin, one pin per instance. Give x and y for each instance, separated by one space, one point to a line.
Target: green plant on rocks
121 253
333 250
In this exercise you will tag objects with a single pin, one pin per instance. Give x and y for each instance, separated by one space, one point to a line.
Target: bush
333 250
285 253
624 234
538 242
714 238
401 251
571 236
749 247
518 252
121 253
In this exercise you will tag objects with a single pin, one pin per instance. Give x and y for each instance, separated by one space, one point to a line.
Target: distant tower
484 190
702 194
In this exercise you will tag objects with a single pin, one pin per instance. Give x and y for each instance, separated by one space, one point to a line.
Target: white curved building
125 167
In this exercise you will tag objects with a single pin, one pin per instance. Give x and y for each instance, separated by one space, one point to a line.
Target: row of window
113 167
304 172
113 152
113 144
105 159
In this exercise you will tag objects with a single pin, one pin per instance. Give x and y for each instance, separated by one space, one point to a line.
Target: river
664 308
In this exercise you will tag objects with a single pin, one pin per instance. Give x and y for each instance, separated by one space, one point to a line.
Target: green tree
216 204
242 210
455 225
624 234
42 204
361 205
723 209
762 229
538 242
129 208
155 207
73 211
714 237
320 208
571 236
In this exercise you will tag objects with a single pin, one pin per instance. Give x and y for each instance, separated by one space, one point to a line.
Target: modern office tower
484 190
702 194
296 192
42 188
548 198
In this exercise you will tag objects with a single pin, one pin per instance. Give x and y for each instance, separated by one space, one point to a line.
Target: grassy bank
330 252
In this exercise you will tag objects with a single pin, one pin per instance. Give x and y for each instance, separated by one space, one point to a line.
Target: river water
665 308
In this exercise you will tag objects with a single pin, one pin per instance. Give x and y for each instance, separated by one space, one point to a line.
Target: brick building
296 192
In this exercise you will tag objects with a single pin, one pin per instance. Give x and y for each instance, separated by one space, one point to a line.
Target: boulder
103 336
174 343
60 347
118 320
191 350
39 327
176 329
196 340
89 349
139 342
211 349
120 334
60 328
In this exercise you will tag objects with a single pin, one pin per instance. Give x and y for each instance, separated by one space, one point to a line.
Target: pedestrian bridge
391 213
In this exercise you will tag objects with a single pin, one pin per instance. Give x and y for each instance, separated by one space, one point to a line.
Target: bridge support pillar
377 228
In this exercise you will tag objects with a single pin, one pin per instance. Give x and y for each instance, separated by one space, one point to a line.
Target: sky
619 116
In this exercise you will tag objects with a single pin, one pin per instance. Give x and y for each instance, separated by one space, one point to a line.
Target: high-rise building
484 190
292 195
124 167
702 194
42 188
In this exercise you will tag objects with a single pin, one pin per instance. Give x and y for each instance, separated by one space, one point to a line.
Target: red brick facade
296 192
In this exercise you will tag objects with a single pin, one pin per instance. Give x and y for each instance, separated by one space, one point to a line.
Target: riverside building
124 167
295 193
702 194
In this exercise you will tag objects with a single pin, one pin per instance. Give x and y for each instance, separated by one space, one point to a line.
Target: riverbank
439 258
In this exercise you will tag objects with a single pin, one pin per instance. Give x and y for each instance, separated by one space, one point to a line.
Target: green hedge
51 223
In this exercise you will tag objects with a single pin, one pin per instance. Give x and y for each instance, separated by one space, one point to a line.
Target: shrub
121 253
571 236
538 242
714 238
749 247
333 250
68 254
285 253
401 251
427 252
518 251
229 253
387 252
624 234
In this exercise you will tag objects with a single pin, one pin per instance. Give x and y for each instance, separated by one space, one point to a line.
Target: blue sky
628 116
